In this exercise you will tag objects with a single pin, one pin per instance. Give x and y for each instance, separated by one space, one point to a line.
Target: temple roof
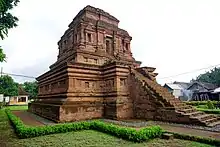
99 11
94 10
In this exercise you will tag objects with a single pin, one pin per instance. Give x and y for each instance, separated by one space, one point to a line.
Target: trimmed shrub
197 103
209 111
202 106
131 134
210 105
210 141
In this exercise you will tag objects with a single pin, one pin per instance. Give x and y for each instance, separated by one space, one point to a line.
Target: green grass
80 138
24 107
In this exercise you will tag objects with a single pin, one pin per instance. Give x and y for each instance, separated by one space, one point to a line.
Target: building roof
21 91
217 90
206 85
174 86
185 85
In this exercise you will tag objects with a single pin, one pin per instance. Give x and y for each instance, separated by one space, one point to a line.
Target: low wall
49 111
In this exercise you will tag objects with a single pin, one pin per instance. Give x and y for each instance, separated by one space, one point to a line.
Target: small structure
21 99
179 90
1 97
202 90
216 94
175 89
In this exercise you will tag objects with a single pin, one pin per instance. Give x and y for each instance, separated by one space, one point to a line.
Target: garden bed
131 134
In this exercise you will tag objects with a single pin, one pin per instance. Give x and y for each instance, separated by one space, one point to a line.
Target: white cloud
174 36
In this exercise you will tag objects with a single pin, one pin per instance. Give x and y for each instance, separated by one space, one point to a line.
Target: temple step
214 123
169 101
211 120
190 110
194 114
205 117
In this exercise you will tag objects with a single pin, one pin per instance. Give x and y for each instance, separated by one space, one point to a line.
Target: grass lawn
24 107
80 138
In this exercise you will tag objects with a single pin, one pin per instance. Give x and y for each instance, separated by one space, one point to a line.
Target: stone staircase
170 102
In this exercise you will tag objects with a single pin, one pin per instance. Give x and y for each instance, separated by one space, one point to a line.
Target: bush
210 141
197 103
131 134
210 105
209 111
202 106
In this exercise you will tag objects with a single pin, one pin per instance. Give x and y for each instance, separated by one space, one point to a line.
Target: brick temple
96 76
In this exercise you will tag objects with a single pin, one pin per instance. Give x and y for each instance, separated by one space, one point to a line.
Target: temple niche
96 76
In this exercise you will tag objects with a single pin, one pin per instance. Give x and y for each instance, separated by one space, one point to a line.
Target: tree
7 21
31 88
7 86
212 76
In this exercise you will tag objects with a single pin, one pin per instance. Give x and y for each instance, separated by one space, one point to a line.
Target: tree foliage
7 20
2 55
212 76
7 86
31 88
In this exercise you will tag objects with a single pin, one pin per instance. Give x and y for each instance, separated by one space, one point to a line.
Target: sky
174 36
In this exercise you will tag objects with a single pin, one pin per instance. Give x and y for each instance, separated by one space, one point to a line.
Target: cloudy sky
175 36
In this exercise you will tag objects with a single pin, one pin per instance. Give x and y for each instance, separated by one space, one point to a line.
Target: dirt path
27 118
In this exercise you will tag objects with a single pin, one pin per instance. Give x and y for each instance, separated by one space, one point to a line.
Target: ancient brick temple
95 76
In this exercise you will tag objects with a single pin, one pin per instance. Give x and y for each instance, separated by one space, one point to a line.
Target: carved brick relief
123 81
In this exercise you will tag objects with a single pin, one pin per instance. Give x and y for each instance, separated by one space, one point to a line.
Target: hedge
209 111
210 141
196 103
130 134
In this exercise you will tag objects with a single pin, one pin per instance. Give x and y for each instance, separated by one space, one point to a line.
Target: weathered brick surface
81 111
49 111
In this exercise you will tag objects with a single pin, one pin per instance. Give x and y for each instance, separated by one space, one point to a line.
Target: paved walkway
27 119
190 131
32 119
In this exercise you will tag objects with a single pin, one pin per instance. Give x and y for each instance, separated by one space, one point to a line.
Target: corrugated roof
174 86
183 84
217 90
208 86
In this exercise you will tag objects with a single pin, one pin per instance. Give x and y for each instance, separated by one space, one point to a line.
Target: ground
80 138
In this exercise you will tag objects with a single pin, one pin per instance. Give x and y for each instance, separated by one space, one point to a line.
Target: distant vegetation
9 87
212 76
